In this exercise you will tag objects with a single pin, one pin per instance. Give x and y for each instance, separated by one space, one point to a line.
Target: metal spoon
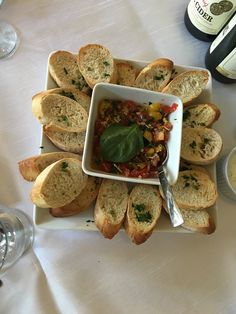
174 212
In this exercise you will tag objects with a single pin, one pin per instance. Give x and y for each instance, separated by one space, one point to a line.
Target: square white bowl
224 184
117 92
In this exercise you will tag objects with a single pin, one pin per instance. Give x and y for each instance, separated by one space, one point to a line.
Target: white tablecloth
80 271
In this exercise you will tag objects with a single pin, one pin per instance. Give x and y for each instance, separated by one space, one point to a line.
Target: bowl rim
230 154
95 172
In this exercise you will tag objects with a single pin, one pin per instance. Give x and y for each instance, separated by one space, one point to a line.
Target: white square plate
85 220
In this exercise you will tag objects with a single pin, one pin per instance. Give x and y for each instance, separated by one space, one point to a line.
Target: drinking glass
16 236
9 39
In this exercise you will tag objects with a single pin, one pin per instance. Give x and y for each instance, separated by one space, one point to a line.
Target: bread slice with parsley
74 94
97 64
126 74
58 184
111 206
199 221
67 141
194 190
82 202
60 113
200 146
31 167
188 85
144 210
64 69
200 115
156 75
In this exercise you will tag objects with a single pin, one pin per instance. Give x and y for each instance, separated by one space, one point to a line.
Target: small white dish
226 174
117 92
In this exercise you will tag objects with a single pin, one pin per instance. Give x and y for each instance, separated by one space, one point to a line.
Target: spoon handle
174 212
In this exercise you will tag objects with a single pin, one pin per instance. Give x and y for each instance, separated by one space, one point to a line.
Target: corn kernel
148 135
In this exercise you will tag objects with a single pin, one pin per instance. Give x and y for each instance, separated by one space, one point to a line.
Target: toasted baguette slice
74 94
188 85
198 221
68 141
156 75
96 64
200 146
58 184
59 113
81 202
200 115
194 190
64 70
111 206
31 167
126 74
144 209
188 166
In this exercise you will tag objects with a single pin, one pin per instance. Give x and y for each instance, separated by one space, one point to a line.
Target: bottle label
223 33
227 67
209 16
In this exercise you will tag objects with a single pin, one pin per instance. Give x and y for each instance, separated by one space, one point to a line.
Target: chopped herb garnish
161 77
64 165
186 115
65 70
106 63
106 75
193 145
89 69
142 215
64 119
68 94
139 207
191 181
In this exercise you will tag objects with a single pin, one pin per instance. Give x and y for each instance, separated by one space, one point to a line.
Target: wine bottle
221 56
204 19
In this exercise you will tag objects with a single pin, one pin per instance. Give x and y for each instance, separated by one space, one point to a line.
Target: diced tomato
131 105
169 109
99 127
106 166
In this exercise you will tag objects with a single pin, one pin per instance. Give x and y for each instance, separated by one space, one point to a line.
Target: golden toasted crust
96 64
188 85
200 146
111 206
58 184
31 167
144 209
60 113
198 115
156 75
68 141
81 202
126 74
64 70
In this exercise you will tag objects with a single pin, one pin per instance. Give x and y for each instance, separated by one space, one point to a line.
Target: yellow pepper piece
154 107
148 135
104 105
156 115
150 152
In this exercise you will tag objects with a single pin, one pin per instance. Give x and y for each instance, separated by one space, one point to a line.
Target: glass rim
2 261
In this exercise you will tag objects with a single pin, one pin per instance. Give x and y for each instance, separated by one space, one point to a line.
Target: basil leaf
121 143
